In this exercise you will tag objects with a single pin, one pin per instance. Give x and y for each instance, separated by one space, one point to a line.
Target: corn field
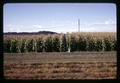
83 41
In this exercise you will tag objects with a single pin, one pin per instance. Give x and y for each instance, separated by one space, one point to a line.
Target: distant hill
30 33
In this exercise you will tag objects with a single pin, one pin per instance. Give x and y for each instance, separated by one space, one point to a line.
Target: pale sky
59 17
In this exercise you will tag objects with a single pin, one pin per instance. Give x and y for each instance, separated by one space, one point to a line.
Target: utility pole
78 25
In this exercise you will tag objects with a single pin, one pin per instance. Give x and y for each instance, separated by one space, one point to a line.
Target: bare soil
75 65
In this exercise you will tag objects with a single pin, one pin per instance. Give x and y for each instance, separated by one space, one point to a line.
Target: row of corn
71 42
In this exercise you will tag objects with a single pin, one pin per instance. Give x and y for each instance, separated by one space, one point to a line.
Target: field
83 41
60 65
84 55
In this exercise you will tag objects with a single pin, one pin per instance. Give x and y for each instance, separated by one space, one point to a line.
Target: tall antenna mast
78 25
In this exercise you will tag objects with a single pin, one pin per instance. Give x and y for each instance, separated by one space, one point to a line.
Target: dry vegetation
89 41
75 65
92 56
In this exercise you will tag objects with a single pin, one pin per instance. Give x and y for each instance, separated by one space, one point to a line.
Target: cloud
113 22
18 30
12 28
109 22
73 23
53 22
88 29
37 26
106 22
9 25
105 26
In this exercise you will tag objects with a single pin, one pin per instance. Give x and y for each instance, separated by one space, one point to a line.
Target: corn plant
39 45
64 46
91 41
7 46
49 44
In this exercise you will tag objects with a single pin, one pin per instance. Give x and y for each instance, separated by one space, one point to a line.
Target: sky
59 17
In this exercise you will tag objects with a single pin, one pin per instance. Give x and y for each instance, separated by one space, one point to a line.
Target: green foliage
82 43
49 45
15 46
73 44
7 46
23 46
39 45
56 44
108 43
99 45
61 43
31 45
91 44
64 46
